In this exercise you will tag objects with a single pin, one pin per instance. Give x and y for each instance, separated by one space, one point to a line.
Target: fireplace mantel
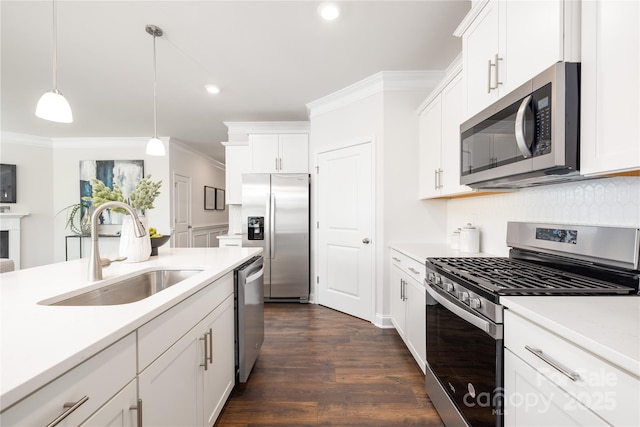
10 221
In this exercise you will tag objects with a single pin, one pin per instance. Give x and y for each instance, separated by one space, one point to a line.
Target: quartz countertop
607 326
39 342
421 251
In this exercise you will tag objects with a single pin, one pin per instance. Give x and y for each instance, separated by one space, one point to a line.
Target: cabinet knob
366 241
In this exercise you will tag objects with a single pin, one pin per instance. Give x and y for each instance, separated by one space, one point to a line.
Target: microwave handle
520 124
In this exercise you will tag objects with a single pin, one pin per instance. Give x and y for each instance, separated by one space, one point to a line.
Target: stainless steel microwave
529 137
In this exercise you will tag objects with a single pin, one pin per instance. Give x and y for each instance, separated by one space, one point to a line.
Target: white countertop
421 251
40 342
607 326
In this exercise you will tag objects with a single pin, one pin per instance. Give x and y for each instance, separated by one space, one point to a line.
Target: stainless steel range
464 314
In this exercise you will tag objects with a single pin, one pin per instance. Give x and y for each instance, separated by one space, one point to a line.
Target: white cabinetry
551 381
610 88
193 358
236 163
439 149
279 153
87 387
505 43
228 241
408 299
121 411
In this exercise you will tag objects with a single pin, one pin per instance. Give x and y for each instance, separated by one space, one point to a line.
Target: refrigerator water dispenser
255 226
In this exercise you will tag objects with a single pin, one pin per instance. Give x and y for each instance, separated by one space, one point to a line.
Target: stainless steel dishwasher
249 310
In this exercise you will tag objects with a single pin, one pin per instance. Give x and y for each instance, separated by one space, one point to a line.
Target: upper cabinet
236 163
505 43
610 108
439 146
279 153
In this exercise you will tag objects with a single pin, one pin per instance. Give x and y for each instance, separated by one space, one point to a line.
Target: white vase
135 249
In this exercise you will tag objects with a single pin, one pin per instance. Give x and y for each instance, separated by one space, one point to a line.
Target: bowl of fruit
157 240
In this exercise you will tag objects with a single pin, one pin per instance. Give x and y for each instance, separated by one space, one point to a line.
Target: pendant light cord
155 84
55 47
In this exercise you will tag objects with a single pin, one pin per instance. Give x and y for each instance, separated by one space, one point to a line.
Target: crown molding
180 145
245 128
470 17
375 84
25 139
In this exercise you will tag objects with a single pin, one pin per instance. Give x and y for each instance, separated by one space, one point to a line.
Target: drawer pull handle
71 407
573 376
396 259
206 358
413 270
138 408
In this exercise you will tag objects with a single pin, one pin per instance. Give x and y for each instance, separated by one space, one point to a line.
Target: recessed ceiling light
329 11
212 89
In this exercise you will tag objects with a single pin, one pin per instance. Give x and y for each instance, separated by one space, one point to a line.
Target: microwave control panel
542 108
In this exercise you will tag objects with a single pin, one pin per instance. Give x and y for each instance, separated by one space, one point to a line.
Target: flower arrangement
141 198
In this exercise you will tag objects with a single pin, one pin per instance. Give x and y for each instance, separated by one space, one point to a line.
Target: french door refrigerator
275 217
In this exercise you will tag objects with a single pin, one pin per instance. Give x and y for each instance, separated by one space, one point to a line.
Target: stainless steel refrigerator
275 217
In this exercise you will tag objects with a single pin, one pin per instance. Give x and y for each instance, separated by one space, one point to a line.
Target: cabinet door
532 400
480 44
171 387
398 307
610 129
453 110
219 378
118 411
236 163
429 154
293 153
526 53
416 321
264 153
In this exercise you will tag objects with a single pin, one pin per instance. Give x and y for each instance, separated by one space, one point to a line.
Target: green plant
141 198
74 219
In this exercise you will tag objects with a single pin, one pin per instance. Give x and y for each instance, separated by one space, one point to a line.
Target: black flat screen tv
7 183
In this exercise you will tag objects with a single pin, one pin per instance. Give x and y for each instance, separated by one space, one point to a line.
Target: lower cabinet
89 387
552 381
185 365
408 304
121 411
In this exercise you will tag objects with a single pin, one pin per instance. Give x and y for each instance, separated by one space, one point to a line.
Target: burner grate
506 276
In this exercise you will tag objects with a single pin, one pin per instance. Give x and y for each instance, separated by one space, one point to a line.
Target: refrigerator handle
272 227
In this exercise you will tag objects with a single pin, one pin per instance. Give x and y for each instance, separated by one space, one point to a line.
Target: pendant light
155 147
52 105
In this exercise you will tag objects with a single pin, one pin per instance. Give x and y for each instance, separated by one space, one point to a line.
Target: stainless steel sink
131 289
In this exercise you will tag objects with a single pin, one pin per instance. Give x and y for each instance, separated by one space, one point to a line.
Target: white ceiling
270 58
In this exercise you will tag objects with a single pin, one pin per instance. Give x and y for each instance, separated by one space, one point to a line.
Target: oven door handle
495 331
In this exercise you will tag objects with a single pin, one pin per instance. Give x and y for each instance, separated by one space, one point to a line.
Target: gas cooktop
507 276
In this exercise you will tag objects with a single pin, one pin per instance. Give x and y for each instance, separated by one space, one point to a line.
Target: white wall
67 154
389 119
203 171
35 194
605 201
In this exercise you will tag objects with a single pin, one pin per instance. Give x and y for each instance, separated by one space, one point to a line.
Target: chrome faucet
95 263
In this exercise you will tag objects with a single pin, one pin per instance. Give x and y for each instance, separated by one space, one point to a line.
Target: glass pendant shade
54 107
155 147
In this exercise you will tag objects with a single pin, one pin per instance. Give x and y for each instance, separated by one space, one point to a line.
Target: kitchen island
40 342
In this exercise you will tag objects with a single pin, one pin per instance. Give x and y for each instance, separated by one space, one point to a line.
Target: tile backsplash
605 201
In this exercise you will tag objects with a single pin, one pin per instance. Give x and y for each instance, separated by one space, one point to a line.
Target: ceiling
269 58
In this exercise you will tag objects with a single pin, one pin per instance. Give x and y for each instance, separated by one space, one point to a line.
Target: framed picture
209 198
219 199
125 173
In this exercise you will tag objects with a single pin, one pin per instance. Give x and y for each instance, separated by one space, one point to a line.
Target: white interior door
181 211
346 246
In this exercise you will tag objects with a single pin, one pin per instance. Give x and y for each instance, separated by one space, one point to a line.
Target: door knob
365 241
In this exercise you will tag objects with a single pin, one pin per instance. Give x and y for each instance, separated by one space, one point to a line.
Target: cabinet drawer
410 266
160 333
99 378
611 393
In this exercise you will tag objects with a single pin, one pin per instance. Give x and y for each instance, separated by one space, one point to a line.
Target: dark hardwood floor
322 367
